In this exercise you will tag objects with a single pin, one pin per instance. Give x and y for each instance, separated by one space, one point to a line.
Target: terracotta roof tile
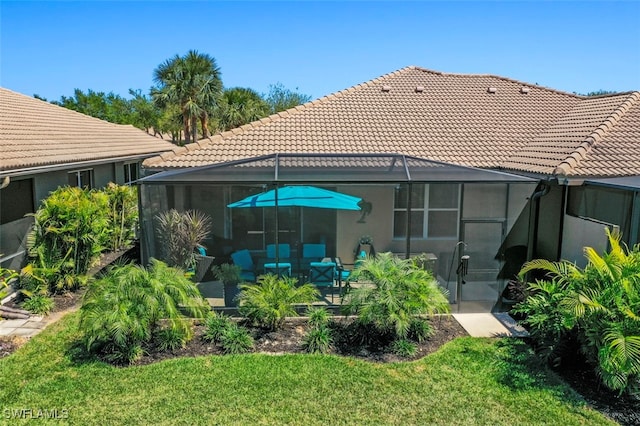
35 133
454 119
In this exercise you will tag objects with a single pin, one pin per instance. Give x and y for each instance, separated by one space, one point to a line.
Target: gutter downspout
533 217
5 182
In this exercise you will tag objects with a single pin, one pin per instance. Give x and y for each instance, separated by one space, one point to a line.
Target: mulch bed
582 379
288 340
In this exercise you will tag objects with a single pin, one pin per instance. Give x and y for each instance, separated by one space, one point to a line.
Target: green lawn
468 382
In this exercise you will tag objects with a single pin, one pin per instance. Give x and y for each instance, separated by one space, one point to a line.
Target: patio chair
243 259
322 274
284 251
312 253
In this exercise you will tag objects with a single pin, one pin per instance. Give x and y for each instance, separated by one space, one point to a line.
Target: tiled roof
600 136
615 150
473 120
34 133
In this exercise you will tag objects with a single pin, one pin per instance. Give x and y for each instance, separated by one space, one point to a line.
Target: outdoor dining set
310 264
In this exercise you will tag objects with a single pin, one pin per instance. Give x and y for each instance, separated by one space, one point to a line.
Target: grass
469 381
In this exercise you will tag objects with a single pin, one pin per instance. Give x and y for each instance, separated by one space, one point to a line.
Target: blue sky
51 48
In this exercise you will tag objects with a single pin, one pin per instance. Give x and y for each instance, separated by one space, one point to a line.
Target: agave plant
121 311
271 300
600 302
399 291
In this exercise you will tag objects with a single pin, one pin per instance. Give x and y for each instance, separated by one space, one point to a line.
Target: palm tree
121 311
193 83
400 292
241 106
600 302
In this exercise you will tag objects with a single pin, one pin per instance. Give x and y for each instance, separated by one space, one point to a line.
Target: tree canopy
280 98
188 91
193 83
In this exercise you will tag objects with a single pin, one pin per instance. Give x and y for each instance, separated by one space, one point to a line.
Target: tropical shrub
47 273
180 234
271 300
38 304
228 273
170 339
318 340
236 340
319 316
420 330
599 304
6 276
215 325
404 348
68 233
121 311
399 291
122 215
72 227
550 324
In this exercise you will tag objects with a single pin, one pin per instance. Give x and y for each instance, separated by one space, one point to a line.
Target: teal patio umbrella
300 196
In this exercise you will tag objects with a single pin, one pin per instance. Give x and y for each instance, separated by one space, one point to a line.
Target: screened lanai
408 206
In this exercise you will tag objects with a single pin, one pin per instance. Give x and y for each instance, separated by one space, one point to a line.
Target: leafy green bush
122 215
72 227
215 326
404 348
319 316
271 300
121 311
420 330
67 236
170 339
318 340
38 304
180 234
6 276
400 290
228 273
599 304
236 340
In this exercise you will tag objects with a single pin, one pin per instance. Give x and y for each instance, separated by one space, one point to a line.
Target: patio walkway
490 325
31 326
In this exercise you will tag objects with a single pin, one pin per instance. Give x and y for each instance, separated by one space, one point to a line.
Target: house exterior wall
13 234
579 233
378 224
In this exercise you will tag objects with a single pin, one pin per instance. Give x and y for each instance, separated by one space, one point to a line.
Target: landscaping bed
288 340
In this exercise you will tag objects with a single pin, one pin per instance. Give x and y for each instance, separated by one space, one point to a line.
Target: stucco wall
579 233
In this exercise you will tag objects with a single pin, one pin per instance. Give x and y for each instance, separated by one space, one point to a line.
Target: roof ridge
60 107
581 151
499 77
204 142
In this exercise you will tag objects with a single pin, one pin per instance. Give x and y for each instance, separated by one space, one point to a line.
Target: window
81 178
434 211
603 204
16 200
130 172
